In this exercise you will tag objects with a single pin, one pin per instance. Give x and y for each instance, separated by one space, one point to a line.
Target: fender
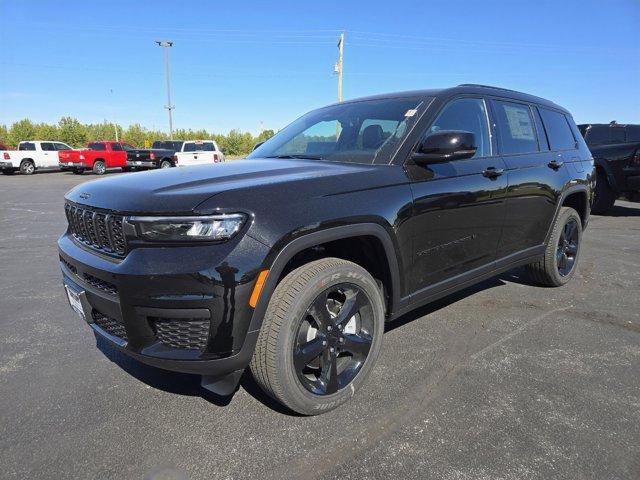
565 193
323 236
611 179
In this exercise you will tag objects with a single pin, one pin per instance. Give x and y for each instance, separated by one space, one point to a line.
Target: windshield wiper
297 155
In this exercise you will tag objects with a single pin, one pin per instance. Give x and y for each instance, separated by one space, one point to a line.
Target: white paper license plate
74 301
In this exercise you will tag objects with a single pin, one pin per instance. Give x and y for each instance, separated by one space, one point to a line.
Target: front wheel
166 164
561 255
99 167
321 336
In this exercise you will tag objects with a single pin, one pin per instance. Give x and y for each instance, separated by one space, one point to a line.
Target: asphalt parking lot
504 380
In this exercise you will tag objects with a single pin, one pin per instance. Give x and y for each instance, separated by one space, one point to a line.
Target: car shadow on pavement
623 211
444 302
183 383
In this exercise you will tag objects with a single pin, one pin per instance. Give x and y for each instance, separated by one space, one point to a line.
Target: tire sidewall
565 215
25 165
165 162
99 167
296 396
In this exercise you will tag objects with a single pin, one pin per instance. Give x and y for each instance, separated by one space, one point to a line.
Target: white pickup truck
32 156
198 152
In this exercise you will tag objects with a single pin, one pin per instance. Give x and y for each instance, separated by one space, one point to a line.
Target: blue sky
236 64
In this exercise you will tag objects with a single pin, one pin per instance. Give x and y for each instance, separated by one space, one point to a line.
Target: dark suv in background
291 260
616 151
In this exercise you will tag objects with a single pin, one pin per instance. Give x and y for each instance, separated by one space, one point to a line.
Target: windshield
358 132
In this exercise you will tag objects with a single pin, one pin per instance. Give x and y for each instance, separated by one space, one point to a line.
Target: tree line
76 134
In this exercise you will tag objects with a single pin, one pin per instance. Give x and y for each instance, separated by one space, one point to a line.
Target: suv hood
182 189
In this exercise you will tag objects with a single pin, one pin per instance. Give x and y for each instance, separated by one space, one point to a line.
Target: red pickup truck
98 156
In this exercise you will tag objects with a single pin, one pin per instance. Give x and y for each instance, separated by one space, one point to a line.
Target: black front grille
99 230
110 325
183 333
100 284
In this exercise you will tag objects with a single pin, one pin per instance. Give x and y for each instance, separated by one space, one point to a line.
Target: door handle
554 164
492 172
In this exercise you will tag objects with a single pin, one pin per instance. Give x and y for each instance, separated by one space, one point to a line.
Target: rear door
458 206
117 157
536 176
48 157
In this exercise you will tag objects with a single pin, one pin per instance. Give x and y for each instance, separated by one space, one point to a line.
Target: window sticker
519 121
411 112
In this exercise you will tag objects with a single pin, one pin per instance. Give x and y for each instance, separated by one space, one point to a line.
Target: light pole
165 44
115 125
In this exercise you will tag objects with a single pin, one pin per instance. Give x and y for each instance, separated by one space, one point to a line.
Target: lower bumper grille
110 325
183 333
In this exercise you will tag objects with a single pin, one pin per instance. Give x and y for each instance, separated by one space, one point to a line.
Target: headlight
180 229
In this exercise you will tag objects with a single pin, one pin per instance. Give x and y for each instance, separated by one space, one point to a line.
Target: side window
618 135
470 115
116 147
542 135
516 133
558 130
47 147
633 133
27 146
62 146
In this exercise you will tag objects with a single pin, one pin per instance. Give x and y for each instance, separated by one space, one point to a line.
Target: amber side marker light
257 288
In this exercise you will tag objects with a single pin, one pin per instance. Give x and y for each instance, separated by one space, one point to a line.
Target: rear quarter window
97 146
558 130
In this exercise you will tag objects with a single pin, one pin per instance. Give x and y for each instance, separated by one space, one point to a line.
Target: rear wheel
320 337
605 196
166 164
27 167
561 255
99 167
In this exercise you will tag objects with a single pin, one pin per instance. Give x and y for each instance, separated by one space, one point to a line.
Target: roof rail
487 86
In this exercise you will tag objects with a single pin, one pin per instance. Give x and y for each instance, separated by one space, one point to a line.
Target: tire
99 167
605 196
562 252
166 164
27 167
290 323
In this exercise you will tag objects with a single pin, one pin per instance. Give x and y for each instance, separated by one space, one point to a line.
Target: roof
465 88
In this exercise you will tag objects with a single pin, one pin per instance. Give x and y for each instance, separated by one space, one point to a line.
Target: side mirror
444 146
257 145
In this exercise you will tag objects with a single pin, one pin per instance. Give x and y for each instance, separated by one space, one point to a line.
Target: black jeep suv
616 152
291 260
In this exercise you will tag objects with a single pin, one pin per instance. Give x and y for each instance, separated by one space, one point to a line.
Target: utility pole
115 125
165 44
338 66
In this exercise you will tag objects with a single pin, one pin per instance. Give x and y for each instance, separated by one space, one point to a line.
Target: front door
459 205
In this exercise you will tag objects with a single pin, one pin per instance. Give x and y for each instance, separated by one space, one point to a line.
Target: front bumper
181 308
70 165
141 163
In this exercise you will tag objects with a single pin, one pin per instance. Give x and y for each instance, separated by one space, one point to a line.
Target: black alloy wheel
567 250
334 339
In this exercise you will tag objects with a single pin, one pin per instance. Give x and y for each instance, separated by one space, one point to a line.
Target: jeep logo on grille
84 195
